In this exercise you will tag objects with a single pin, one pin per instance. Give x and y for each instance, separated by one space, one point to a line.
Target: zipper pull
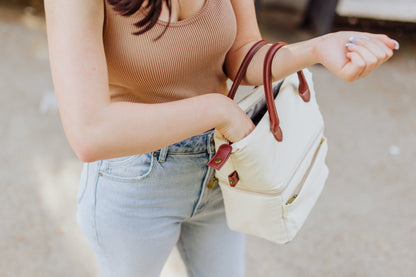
291 199
212 183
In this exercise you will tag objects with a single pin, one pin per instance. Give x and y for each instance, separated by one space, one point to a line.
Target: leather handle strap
304 92
244 65
267 82
224 150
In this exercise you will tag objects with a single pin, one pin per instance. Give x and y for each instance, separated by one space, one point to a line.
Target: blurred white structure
395 10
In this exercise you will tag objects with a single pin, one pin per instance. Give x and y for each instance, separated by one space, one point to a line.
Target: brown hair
154 7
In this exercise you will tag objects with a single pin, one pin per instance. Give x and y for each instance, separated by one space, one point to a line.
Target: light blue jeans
133 210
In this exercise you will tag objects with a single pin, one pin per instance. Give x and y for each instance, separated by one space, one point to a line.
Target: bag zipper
300 186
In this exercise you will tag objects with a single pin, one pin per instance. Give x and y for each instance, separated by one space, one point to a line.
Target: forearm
349 61
289 59
122 128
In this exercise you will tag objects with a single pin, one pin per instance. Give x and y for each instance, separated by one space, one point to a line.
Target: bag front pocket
254 213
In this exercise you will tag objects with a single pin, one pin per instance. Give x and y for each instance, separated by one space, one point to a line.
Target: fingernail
397 45
365 37
354 39
349 45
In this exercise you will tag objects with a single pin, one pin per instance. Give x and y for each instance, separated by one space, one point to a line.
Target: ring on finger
357 39
354 39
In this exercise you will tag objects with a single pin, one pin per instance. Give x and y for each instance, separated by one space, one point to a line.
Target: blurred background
364 223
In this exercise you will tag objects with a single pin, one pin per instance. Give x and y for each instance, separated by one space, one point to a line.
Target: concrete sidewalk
363 225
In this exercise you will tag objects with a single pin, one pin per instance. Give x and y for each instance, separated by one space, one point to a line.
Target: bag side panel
296 213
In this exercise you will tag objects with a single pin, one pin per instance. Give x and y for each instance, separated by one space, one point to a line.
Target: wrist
219 107
316 46
295 57
310 51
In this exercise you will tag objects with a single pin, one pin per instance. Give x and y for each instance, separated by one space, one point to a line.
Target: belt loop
163 154
211 144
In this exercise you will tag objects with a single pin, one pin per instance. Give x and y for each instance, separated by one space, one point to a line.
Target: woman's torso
186 61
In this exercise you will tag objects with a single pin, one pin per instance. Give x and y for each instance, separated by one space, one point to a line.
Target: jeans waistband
202 143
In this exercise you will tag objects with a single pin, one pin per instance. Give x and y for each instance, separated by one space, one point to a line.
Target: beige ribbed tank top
186 61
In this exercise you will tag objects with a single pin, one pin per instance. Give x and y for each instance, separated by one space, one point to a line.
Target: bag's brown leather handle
267 82
244 65
224 150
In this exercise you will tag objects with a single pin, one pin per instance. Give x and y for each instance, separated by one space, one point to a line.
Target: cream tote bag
271 179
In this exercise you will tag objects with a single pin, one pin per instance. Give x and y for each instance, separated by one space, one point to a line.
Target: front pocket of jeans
128 169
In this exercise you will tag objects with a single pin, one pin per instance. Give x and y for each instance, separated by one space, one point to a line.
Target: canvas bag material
269 186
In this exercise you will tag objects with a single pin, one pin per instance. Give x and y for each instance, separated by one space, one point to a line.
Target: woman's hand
236 124
353 55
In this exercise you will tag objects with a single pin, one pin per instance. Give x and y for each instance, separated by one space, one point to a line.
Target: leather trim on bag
221 157
267 82
304 92
233 179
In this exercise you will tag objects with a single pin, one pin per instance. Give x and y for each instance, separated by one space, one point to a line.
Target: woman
137 101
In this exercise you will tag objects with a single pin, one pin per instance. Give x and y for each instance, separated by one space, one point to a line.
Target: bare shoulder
63 14
74 28
79 6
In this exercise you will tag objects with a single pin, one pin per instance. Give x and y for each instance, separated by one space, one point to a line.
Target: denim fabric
133 210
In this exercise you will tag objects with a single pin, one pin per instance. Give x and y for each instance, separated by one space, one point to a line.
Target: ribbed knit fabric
186 61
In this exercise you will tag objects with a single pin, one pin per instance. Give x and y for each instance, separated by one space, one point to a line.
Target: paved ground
364 224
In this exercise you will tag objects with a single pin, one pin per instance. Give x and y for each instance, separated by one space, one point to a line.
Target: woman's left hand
354 55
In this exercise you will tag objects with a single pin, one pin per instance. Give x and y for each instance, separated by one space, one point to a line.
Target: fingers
237 124
354 69
368 57
236 133
372 51
391 43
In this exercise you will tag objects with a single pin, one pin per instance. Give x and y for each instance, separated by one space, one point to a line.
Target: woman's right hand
353 55
236 124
